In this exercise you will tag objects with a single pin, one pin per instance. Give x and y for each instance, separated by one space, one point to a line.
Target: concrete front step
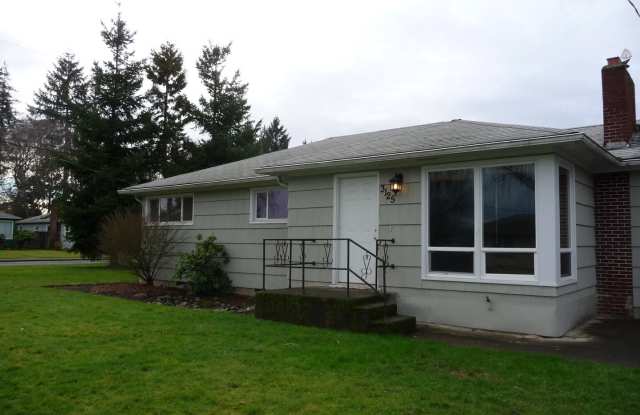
365 314
398 324
332 308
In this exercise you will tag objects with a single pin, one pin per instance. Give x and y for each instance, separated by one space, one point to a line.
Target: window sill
268 221
170 224
485 279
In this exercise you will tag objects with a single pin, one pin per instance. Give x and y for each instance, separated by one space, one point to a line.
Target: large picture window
482 221
451 224
170 209
509 219
269 205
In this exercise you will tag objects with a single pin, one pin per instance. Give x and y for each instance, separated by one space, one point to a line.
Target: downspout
281 182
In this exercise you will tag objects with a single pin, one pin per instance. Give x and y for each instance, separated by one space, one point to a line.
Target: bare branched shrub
157 245
130 242
121 237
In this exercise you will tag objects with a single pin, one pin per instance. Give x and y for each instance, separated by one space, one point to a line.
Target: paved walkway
608 341
7 263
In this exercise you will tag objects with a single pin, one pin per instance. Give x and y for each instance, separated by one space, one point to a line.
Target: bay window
170 209
495 222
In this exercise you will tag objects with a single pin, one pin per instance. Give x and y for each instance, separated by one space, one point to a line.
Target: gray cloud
335 67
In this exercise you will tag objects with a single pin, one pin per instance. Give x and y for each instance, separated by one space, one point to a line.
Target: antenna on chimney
625 56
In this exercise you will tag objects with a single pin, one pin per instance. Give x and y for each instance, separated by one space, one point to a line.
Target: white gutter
195 185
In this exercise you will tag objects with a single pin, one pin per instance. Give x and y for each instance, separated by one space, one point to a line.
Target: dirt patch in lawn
171 296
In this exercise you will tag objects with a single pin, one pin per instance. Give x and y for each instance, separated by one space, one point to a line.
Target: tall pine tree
7 112
169 109
223 114
59 101
110 149
274 137
64 90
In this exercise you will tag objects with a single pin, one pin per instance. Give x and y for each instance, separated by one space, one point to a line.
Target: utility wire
634 7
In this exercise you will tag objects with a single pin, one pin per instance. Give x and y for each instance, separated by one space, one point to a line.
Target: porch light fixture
391 189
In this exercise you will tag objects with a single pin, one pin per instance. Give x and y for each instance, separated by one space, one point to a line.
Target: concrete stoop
361 311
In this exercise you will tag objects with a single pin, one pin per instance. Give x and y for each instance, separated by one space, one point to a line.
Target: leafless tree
129 242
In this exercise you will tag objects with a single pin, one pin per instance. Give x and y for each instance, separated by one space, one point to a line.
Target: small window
270 205
154 208
170 209
187 209
565 222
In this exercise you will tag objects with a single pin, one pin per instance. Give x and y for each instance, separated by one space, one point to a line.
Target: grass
68 352
19 254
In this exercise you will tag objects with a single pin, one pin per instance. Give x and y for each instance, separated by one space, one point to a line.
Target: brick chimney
618 102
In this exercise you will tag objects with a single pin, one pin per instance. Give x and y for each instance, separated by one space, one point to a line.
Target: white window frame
573 228
181 222
544 221
252 205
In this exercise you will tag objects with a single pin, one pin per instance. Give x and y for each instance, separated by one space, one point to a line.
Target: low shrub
22 237
204 268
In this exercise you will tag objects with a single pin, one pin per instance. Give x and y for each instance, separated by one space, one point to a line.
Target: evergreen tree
274 137
59 101
169 109
64 90
7 112
111 140
224 114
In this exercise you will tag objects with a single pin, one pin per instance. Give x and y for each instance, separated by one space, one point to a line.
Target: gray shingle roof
427 137
623 152
5 215
35 219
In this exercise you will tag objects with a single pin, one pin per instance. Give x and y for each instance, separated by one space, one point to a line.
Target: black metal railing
321 257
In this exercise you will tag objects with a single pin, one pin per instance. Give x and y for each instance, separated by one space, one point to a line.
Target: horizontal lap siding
402 221
311 216
635 235
225 214
585 232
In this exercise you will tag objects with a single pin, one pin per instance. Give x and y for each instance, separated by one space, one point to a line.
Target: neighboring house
497 226
40 225
7 225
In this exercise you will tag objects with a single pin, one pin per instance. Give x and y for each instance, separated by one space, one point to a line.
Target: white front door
357 219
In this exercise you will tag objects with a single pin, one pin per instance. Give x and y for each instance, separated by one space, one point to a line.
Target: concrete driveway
608 341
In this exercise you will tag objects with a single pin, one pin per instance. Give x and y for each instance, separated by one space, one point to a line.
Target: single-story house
494 226
7 225
40 225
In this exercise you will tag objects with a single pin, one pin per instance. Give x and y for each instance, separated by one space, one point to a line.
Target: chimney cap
614 61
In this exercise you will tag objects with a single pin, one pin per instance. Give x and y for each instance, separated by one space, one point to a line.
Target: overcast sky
330 68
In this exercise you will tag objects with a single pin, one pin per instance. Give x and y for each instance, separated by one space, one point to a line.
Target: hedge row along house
493 226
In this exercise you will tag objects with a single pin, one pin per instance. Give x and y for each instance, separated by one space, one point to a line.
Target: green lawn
68 352
37 254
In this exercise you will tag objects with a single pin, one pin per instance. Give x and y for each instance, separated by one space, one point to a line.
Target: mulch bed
171 296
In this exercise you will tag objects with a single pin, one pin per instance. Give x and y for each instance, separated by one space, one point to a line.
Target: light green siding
525 308
225 214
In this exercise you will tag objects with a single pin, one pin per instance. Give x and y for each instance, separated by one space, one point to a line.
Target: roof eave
524 142
182 187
